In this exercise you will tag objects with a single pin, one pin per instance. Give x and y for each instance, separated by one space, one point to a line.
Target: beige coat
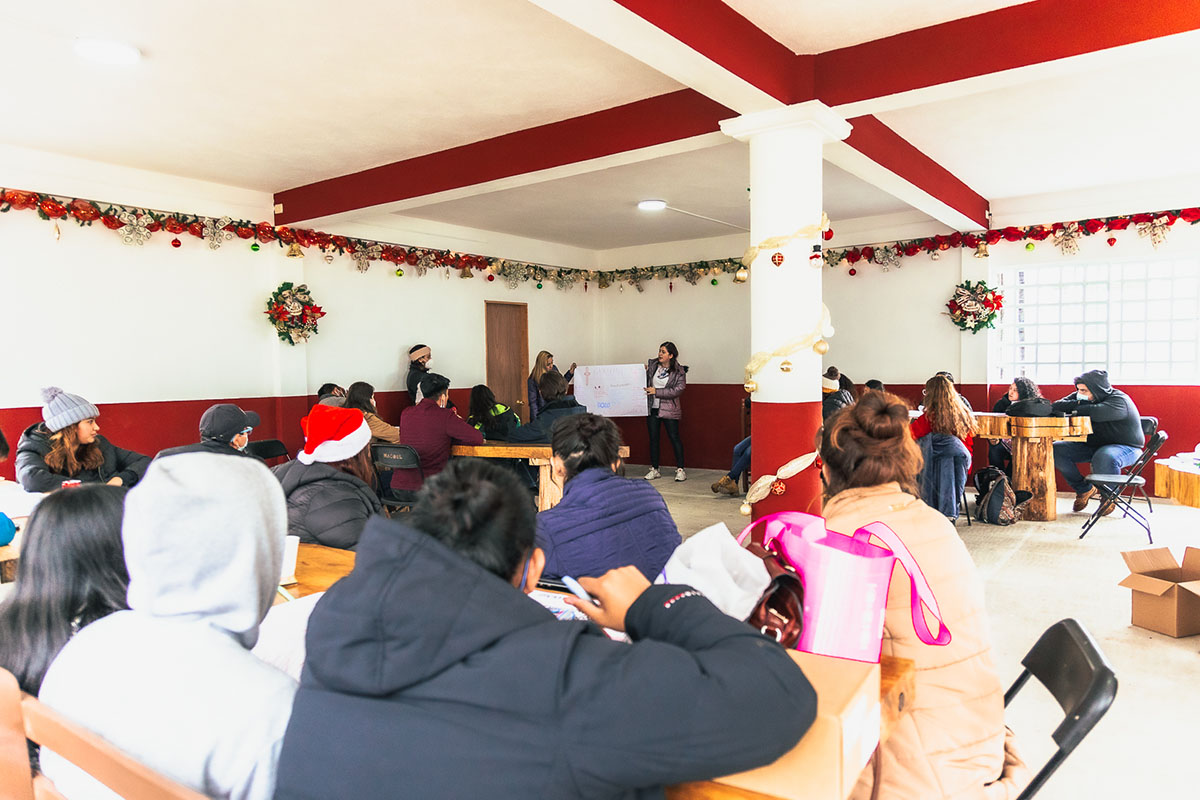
952 742
380 430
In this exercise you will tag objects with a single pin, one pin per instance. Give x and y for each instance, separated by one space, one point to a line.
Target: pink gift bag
846 581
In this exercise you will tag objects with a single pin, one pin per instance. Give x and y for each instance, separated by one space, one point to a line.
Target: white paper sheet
612 390
15 501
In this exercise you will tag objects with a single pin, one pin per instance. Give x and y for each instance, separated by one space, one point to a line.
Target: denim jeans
672 425
741 459
1107 459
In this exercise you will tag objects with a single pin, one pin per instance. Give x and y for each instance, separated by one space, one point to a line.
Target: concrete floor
1035 574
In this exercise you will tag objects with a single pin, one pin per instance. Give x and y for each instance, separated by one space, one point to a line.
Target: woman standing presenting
541 365
666 379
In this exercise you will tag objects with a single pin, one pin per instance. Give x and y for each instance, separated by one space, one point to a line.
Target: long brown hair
359 466
868 444
945 411
68 457
539 365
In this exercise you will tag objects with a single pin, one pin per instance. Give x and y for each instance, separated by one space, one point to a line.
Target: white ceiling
597 210
1129 119
815 26
269 96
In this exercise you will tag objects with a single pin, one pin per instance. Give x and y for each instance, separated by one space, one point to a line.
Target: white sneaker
680 475
652 474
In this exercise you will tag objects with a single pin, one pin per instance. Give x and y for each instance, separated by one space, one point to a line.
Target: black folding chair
268 449
388 457
1067 661
1149 428
1113 487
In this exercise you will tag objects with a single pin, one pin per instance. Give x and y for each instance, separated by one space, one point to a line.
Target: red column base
779 433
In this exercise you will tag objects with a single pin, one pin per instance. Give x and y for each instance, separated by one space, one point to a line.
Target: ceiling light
106 51
652 205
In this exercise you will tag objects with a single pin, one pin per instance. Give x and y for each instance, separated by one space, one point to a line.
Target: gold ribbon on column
776 242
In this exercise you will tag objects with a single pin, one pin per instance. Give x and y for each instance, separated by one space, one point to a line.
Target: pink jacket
670 400
952 743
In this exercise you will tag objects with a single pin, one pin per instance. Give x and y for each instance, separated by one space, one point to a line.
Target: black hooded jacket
325 505
429 677
1115 419
34 445
207 446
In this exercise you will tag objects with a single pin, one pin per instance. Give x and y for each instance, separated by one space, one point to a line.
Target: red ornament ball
777 259
176 243
827 234
778 487
853 271
1112 240
491 278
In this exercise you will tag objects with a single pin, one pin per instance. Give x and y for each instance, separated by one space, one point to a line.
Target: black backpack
996 503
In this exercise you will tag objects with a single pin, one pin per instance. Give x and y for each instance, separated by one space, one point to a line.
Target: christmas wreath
974 306
293 313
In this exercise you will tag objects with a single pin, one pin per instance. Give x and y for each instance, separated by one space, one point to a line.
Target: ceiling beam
631 127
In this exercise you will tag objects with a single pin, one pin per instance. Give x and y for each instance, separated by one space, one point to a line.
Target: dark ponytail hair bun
584 441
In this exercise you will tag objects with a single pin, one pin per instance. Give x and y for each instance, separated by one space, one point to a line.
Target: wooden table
1033 453
1180 482
10 554
538 455
319 567
896 682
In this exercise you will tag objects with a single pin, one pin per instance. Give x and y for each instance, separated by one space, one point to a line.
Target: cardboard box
826 763
1166 596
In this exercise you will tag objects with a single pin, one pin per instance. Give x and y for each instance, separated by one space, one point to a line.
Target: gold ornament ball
328 258
750 386
821 347
785 366
746 509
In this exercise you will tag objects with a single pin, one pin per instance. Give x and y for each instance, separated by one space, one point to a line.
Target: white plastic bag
712 562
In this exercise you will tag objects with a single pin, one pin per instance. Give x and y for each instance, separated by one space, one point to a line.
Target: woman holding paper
666 379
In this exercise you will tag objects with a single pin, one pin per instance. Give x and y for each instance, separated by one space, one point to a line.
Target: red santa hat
333 434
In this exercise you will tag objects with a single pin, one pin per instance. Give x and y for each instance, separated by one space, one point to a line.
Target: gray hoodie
172 681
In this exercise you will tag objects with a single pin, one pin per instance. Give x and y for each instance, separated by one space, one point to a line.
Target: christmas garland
293 313
974 306
136 225
1064 235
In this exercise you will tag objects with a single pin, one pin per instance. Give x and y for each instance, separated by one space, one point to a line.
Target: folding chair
1067 661
1149 428
267 449
22 716
388 457
1112 488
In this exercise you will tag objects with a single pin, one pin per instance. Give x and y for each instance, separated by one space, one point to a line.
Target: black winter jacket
1115 419
835 401
35 476
538 431
325 505
412 381
207 446
428 677
1029 407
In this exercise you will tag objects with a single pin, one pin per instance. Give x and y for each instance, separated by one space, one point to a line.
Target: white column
785 196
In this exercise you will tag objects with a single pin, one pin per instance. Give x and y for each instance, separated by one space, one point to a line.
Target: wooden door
507 342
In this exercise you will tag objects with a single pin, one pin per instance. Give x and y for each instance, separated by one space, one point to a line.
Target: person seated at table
557 405
945 432
361 396
875 385
419 356
329 390
491 418
833 396
728 483
224 429
471 689
431 429
1116 440
171 682
952 742
71 573
541 365
603 521
950 377
330 487
1023 399
67 445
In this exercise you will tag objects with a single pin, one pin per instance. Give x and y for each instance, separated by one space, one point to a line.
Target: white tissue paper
712 562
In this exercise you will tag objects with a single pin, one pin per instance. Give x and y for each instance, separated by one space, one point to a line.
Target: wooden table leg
1033 471
549 492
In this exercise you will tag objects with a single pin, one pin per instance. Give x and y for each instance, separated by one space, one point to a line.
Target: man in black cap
224 429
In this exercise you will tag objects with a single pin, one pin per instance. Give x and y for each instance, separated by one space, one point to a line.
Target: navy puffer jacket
325 505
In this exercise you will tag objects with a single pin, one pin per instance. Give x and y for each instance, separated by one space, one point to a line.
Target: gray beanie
61 409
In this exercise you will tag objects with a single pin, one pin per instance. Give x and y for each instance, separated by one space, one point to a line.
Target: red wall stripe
666 118
887 148
722 35
1018 36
